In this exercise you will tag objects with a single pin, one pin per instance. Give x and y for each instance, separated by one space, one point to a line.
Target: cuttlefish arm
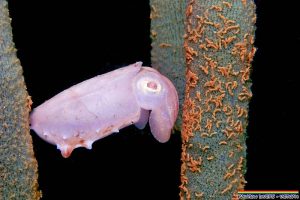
102 105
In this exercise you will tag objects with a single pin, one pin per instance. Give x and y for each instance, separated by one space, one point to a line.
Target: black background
65 42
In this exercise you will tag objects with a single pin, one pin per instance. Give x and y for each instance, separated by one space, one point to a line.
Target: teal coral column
210 66
167 54
219 50
18 167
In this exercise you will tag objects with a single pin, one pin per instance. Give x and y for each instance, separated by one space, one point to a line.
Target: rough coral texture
219 50
18 167
167 54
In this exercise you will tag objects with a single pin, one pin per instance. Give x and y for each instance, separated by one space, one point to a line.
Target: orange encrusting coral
219 50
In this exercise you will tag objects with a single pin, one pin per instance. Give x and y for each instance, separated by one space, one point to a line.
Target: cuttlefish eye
152 85
149 90
149 86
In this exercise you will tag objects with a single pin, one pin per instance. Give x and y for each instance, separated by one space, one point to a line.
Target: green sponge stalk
219 50
168 55
18 167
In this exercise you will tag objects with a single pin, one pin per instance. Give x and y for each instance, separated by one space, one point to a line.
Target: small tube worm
102 105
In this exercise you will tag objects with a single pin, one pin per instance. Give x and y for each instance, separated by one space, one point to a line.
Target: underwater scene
149 99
